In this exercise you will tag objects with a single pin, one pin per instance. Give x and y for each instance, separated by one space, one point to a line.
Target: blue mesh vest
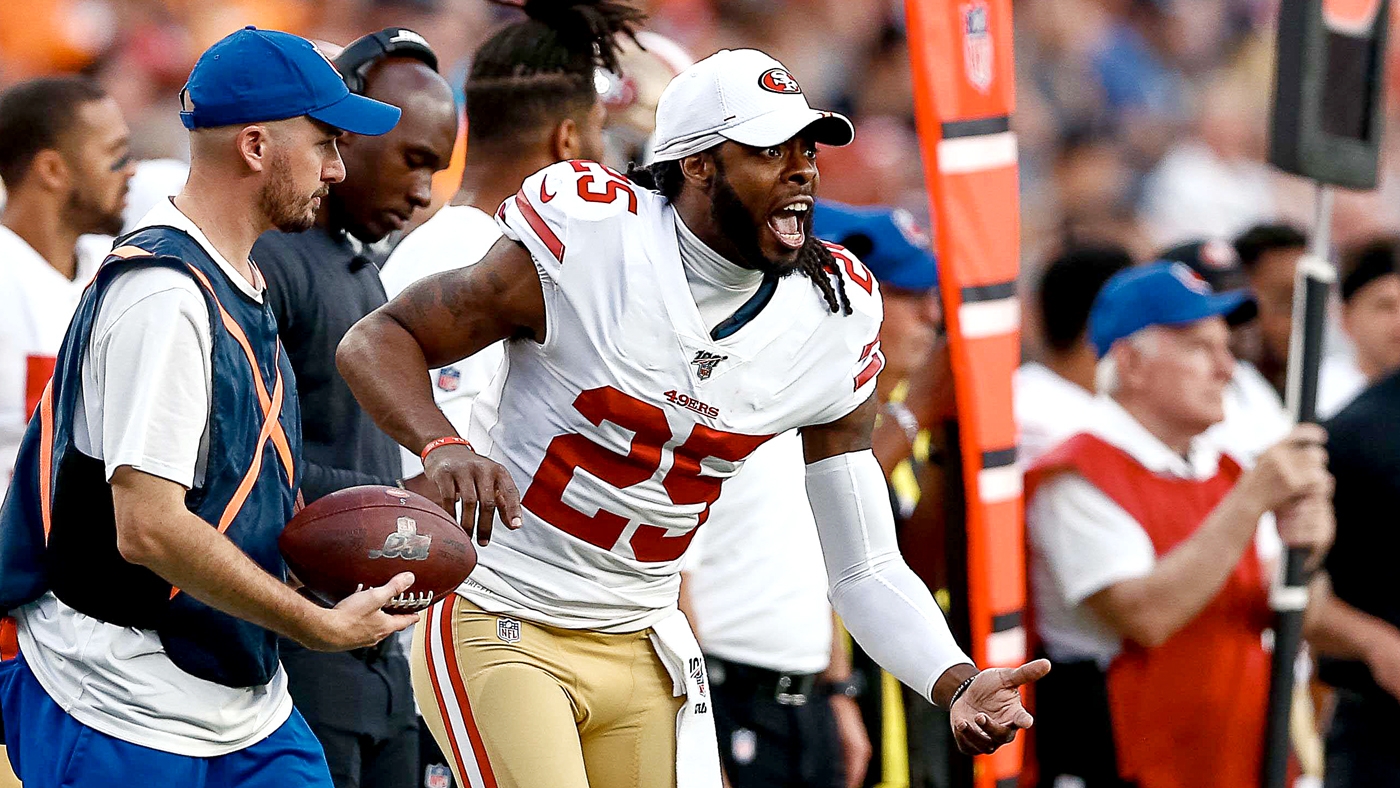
58 530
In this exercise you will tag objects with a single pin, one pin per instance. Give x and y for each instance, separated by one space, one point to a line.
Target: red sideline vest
1191 712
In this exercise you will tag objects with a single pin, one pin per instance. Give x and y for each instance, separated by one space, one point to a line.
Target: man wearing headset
358 703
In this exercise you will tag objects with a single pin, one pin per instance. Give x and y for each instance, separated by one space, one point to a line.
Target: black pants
764 743
926 749
1363 745
360 705
1073 729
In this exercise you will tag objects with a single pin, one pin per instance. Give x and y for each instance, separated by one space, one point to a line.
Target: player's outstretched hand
990 712
483 486
359 621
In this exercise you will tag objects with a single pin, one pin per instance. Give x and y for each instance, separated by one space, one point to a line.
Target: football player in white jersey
64 157
532 99
655 339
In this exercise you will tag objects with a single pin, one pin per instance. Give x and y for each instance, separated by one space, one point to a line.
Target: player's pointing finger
1027 673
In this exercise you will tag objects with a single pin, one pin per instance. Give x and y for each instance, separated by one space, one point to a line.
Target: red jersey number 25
683 483
615 186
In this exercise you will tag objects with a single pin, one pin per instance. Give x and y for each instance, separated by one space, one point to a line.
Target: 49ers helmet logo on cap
778 80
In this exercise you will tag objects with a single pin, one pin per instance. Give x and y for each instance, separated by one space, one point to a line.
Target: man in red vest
1149 546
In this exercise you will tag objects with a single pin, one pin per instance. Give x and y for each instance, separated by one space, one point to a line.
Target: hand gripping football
361 537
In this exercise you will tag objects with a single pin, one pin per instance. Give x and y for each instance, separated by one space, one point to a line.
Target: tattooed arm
385 359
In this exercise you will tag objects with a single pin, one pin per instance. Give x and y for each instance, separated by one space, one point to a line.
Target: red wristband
450 440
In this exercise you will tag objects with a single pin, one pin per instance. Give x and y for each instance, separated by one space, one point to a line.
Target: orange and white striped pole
964 94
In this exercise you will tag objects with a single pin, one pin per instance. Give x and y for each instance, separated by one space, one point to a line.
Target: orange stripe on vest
272 426
46 458
279 436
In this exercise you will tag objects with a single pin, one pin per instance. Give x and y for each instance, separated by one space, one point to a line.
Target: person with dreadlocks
531 102
654 339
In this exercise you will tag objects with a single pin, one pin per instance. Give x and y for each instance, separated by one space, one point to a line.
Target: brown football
361 537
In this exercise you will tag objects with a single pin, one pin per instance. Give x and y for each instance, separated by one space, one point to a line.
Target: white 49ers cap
741 95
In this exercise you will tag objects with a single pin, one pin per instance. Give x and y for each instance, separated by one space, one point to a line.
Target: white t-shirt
1049 410
456 236
36 305
1254 416
146 388
1339 380
754 571
1082 542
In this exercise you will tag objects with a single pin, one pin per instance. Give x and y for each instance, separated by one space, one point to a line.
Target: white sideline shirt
1082 542
146 389
754 571
1049 410
456 236
36 305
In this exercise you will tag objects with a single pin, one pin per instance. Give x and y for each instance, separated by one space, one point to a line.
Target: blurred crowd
1143 121
1142 129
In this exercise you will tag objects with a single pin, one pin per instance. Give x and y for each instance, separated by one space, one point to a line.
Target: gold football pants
519 705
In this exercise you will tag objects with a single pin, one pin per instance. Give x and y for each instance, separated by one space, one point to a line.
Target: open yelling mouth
788 221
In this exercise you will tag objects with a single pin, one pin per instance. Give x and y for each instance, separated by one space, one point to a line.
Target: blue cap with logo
887 240
254 76
1156 294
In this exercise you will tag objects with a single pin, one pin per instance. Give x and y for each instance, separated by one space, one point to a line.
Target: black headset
356 59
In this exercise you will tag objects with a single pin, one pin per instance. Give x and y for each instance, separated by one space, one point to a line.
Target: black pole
1290 597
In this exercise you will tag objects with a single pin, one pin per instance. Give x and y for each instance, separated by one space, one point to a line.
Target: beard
737 224
279 200
91 217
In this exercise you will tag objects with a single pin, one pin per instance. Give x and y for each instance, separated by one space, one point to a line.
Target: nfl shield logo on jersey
705 363
449 378
977 44
508 630
437 775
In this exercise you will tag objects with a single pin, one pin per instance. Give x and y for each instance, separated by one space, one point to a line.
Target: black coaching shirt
319 283
1364 455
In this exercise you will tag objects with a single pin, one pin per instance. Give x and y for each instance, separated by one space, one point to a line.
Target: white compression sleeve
883 604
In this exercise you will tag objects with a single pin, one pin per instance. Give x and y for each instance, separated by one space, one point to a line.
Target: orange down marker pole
964 94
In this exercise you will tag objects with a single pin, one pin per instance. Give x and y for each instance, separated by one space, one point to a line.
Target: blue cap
887 240
253 76
1156 294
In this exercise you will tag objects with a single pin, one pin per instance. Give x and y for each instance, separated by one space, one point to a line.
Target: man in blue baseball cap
257 76
1151 549
1163 293
138 540
898 253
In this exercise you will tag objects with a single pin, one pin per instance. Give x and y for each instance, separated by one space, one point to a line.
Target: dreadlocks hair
661 176
814 260
817 262
541 69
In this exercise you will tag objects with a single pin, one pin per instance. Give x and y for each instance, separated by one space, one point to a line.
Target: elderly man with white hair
1148 569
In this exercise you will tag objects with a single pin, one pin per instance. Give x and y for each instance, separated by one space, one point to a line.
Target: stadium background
1138 120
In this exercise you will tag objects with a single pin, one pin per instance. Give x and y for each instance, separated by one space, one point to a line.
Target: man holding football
655 338
138 540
